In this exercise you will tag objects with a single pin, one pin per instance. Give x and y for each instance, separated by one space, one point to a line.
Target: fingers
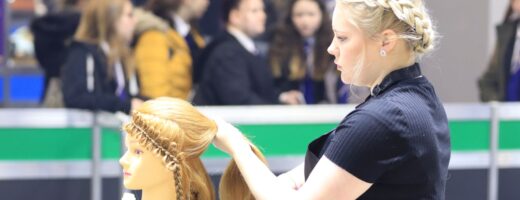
293 97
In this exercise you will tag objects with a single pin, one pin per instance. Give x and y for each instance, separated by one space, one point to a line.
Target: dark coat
493 82
52 35
76 92
234 76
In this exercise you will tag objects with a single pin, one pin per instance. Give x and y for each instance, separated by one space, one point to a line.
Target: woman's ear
388 40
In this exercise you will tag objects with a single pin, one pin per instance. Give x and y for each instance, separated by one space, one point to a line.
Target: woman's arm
293 178
327 180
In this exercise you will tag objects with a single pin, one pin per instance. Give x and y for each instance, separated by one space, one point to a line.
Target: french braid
172 158
412 14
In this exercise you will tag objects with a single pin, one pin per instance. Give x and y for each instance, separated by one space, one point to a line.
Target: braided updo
408 18
175 131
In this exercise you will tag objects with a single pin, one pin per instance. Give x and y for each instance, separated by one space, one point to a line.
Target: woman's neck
378 80
160 192
387 71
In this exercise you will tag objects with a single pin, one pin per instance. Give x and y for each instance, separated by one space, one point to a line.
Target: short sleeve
366 145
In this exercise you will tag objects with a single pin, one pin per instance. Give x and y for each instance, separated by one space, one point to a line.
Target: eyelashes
341 39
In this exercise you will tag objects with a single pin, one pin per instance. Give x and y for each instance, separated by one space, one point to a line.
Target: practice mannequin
165 139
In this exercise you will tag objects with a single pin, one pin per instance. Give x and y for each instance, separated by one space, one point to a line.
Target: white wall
467 38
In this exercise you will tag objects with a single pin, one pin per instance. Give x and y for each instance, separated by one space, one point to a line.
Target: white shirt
243 39
181 26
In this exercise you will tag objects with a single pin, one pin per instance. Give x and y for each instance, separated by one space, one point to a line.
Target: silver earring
382 52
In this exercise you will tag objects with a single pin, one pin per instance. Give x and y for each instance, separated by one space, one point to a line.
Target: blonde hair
408 18
178 133
98 24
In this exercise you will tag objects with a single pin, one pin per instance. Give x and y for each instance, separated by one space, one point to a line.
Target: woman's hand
293 97
228 137
135 103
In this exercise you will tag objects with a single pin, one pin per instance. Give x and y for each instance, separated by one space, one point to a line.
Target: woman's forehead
341 24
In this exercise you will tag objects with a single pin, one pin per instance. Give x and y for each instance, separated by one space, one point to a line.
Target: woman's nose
331 49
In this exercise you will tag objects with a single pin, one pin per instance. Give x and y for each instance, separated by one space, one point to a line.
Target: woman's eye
341 39
138 152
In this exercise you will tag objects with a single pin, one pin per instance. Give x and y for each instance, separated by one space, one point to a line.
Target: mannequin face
142 169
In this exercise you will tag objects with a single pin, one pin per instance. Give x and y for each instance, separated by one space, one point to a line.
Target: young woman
501 81
302 68
396 144
98 73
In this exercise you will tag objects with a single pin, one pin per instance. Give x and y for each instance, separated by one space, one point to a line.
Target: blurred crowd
113 55
501 80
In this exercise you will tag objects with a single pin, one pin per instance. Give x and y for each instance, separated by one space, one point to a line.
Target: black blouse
398 139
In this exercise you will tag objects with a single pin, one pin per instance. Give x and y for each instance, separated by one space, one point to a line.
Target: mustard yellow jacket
163 59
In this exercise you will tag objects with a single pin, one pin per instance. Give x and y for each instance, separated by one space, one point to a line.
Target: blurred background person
298 57
138 2
501 81
168 43
211 26
53 34
98 73
234 74
187 18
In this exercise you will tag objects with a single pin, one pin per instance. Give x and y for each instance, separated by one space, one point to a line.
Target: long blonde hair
178 133
98 24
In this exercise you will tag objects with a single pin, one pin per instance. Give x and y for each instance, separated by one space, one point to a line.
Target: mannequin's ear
388 40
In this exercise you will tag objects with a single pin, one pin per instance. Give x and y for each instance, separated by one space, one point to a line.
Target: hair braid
158 122
172 158
178 182
408 12
413 15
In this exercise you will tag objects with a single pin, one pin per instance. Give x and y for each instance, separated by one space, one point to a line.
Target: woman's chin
346 80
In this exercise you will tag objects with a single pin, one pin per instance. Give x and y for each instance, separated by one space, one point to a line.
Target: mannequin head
165 140
142 168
